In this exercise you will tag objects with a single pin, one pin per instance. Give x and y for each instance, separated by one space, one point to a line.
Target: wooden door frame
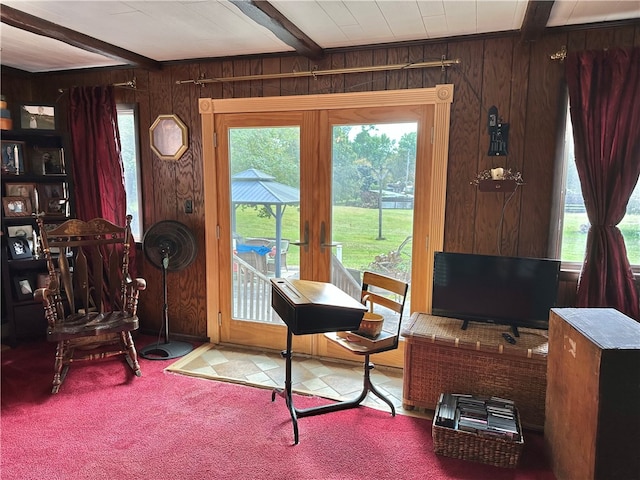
431 205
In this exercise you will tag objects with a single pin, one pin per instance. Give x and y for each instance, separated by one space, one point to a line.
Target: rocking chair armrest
137 284
42 294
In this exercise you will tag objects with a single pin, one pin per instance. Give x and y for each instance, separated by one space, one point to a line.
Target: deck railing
252 290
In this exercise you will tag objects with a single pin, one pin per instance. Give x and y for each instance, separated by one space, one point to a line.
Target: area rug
107 424
310 375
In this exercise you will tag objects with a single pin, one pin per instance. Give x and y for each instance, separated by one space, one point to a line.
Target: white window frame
137 225
557 216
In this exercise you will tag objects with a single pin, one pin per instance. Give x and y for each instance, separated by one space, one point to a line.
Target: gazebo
254 187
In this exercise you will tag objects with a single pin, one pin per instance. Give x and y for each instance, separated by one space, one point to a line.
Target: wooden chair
91 301
386 292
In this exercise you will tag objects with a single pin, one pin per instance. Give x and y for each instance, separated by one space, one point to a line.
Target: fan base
164 351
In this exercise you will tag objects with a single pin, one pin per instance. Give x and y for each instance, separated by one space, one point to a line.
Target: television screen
514 291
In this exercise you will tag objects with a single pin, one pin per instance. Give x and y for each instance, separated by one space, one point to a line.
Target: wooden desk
308 307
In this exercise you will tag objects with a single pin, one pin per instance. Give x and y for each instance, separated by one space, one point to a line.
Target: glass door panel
372 202
258 193
373 180
265 199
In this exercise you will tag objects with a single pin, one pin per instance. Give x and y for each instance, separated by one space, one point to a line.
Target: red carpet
107 424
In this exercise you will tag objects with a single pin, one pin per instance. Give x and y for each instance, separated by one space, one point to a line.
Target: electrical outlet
188 206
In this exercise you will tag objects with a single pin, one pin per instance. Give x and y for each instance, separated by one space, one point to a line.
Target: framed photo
19 248
53 198
26 190
56 206
168 137
20 231
47 161
12 157
48 227
34 116
24 288
16 206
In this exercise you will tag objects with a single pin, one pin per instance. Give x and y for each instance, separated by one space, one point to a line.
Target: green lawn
355 228
574 238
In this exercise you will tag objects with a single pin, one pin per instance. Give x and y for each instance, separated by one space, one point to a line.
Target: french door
302 188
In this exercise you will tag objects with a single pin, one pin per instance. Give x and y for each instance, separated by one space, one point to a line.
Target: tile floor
320 377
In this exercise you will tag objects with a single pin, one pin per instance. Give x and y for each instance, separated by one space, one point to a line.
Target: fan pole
168 349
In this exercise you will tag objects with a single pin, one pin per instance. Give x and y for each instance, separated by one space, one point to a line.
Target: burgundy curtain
98 172
605 112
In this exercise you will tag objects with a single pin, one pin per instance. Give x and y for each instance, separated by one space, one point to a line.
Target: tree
273 150
345 171
374 153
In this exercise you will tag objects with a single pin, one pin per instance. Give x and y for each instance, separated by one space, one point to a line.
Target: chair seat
345 340
92 324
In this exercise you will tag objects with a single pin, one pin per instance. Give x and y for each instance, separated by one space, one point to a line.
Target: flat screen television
513 291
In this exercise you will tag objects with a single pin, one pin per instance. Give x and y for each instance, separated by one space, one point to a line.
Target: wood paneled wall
521 80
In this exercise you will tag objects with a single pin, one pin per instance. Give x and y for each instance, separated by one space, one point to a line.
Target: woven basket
439 357
476 448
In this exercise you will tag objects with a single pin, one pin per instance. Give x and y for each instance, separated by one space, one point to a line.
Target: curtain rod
128 84
316 73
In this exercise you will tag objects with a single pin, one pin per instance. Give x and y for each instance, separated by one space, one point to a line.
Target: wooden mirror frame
169 137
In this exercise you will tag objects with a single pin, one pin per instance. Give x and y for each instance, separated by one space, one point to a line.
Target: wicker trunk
441 357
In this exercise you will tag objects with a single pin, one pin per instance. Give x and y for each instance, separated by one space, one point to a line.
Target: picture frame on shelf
56 206
47 161
26 190
24 287
22 231
13 157
19 248
53 198
48 227
16 206
37 116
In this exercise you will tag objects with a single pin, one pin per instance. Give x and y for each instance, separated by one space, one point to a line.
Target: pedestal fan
169 246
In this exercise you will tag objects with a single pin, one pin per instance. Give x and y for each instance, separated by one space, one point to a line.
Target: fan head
170 240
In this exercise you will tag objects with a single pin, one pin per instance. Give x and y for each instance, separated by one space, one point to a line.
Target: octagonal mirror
168 137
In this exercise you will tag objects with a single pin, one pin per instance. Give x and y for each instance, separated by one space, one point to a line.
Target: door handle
323 238
305 241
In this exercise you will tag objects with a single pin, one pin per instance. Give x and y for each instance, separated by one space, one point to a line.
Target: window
575 223
128 127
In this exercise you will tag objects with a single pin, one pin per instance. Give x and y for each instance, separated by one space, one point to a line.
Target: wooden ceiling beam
39 26
265 14
535 20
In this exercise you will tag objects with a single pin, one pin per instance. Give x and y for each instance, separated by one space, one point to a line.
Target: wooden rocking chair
91 301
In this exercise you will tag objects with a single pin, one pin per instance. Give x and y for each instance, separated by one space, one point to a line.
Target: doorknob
323 238
305 241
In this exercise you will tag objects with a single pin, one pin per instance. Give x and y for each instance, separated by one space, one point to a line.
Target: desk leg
287 392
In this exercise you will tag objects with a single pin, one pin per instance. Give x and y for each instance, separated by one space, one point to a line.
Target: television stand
440 357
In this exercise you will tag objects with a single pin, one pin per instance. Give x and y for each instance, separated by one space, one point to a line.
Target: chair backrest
92 264
385 291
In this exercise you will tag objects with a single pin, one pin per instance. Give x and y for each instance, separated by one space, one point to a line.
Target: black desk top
307 306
